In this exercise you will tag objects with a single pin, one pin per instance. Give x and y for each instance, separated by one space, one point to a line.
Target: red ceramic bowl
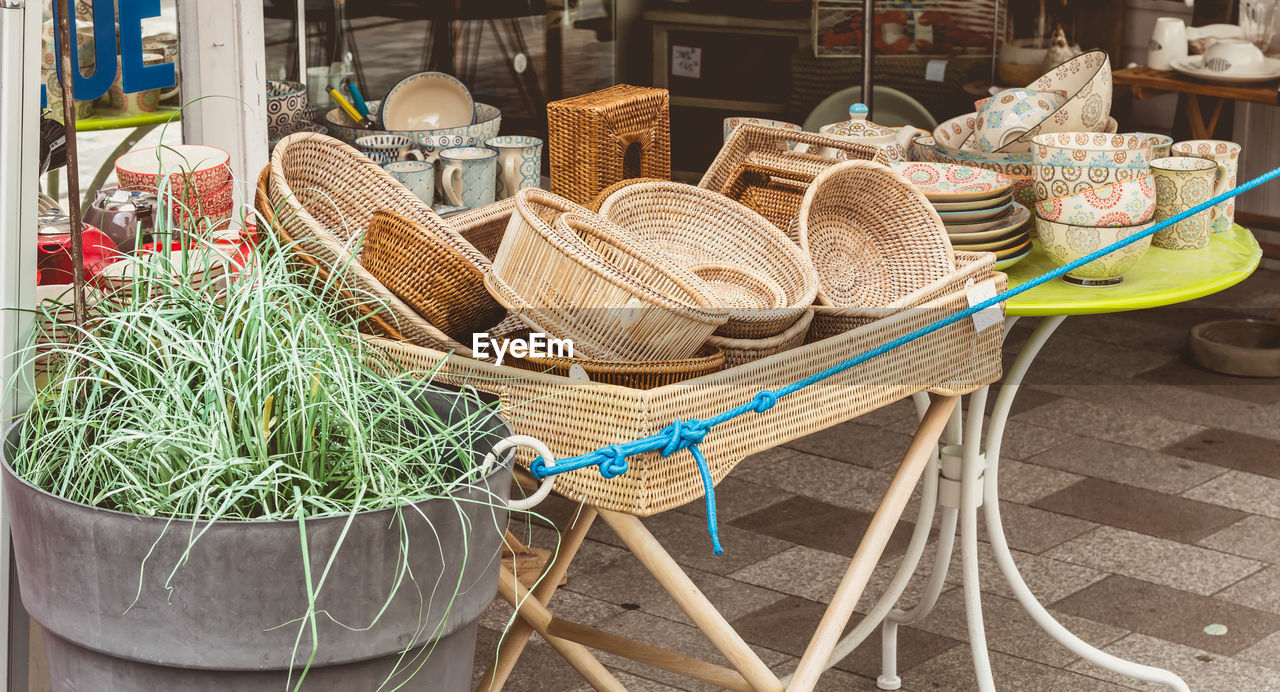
53 252
189 167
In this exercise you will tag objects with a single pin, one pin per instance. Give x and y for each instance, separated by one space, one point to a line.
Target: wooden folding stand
748 672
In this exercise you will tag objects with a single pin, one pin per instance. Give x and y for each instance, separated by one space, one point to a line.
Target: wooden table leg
685 593
517 637
1195 117
836 617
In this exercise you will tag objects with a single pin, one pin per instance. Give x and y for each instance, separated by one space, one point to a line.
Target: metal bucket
229 621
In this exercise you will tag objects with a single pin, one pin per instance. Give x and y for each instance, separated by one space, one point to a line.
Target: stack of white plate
976 205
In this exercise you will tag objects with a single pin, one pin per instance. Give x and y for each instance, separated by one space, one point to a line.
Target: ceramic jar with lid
124 215
895 142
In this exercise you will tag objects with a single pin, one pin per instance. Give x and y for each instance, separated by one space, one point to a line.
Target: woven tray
737 170
573 417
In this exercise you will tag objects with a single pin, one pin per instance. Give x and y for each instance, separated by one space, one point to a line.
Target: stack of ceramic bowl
977 207
288 112
1093 189
192 181
1074 96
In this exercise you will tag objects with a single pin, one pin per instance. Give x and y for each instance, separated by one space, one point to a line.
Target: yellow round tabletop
1161 277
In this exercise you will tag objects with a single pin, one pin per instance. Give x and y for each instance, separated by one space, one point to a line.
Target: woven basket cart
755 167
695 226
647 375
369 316
325 193
597 139
742 351
574 417
873 237
570 273
416 264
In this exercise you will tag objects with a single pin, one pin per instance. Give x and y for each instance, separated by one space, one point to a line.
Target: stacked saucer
976 205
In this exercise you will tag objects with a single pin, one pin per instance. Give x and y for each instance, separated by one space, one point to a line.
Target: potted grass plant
222 487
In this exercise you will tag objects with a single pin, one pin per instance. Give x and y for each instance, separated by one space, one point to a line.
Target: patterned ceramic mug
1218 151
418 176
1182 182
468 176
383 149
519 163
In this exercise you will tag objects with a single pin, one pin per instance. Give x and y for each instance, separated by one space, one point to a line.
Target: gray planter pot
219 628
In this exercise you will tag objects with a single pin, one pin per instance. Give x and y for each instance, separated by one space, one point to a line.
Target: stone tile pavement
1141 497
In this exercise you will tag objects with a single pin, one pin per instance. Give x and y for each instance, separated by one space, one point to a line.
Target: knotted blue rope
686 434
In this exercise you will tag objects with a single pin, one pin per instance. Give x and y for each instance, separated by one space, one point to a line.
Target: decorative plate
986 231
1193 66
945 182
996 246
950 218
975 204
427 101
1002 264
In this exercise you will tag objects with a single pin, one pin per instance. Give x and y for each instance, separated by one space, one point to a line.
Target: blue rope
681 435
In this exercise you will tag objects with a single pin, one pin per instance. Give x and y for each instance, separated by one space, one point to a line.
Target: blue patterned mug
519 163
468 176
418 176
383 149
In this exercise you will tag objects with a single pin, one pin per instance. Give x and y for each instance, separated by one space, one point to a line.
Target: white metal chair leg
1000 547
971 474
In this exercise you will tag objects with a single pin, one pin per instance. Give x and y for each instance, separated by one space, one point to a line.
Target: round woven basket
325 193
744 292
872 236
429 275
569 273
696 226
484 227
740 351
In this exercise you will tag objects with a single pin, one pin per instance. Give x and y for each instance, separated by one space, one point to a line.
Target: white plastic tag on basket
990 315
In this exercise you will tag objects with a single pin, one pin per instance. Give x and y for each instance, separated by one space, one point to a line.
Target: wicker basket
830 321
484 227
325 193
572 274
597 139
574 417
695 226
430 276
873 236
368 315
740 288
756 168
608 191
742 351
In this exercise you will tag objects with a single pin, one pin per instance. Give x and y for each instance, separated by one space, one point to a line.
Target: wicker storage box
574 417
600 138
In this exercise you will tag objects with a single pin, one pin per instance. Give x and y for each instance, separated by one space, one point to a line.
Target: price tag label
686 61
992 315
935 70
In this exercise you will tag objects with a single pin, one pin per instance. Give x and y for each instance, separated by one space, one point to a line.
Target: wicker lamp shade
597 139
873 237
758 168
695 227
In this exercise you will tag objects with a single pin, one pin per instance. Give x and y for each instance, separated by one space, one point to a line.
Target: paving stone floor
1141 497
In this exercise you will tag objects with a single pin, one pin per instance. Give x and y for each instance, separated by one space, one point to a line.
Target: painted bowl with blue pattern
486 122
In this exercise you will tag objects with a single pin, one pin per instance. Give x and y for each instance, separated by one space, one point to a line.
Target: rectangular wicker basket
574 417
600 138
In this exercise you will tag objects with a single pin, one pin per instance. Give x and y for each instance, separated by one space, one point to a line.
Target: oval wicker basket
696 226
569 273
429 275
325 193
872 236
739 351
485 226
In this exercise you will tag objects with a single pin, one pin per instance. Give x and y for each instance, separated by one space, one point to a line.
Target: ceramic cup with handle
1233 55
468 176
387 148
418 176
1218 151
1183 182
519 163
1168 41
120 103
